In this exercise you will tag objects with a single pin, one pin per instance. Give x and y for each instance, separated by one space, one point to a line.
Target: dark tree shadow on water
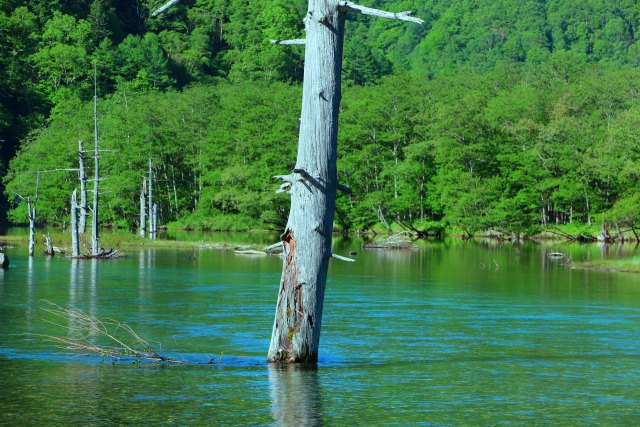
295 395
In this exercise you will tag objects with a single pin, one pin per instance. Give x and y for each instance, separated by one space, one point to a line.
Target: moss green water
450 334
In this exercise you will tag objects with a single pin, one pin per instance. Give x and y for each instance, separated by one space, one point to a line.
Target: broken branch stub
289 42
345 189
347 6
164 7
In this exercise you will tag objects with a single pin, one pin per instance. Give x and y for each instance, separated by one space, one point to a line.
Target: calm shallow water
457 333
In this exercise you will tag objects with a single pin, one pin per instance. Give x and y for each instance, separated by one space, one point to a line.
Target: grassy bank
124 241
630 265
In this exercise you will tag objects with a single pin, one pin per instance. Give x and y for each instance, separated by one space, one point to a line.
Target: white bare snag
75 241
143 208
95 243
313 184
82 225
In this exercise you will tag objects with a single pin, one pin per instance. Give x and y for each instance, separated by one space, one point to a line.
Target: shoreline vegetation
487 117
122 240
628 265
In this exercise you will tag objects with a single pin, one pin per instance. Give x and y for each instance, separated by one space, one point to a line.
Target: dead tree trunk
95 244
143 208
154 219
75 241
175 192
313 184
31 209
48 245
82 225
152 229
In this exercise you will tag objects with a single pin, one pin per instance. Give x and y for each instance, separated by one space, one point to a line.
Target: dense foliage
510 115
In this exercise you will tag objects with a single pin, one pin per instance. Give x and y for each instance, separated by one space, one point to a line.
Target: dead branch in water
86 334
401 240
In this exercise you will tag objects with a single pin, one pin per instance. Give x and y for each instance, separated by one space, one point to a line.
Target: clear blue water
455 333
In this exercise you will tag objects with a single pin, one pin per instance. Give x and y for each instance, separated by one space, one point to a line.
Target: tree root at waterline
87 334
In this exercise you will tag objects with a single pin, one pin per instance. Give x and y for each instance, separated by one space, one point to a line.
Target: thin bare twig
85 330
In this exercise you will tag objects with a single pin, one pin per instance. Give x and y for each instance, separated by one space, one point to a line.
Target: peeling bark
307 237
313 184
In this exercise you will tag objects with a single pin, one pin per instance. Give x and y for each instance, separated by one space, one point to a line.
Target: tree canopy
511 114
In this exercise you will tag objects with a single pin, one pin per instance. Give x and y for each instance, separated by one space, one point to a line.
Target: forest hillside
506 115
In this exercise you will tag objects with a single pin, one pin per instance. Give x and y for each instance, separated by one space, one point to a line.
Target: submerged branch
85 332
401 240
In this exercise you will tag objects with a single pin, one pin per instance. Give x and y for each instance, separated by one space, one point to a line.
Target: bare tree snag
95 244
313 184
154 219
31 212
48 245
31 209
143 209
31 206
152 228
82 225
175 191
75 241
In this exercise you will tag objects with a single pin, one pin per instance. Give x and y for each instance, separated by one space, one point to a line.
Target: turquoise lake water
453 333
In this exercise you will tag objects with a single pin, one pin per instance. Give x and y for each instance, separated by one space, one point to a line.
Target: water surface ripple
454 333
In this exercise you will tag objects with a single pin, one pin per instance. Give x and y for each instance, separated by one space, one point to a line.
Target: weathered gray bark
154 219
175 191
82 224
48 245
312 185
152 228
143 208
75 241
95 244
31 209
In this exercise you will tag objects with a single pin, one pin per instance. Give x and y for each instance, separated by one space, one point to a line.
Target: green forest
509 116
